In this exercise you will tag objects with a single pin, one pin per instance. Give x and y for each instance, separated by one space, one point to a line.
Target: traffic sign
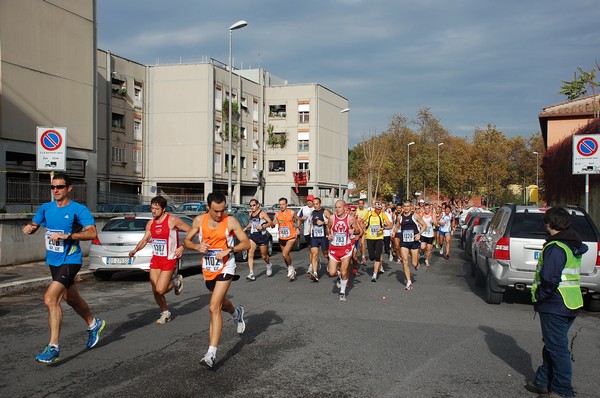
586 158
51 148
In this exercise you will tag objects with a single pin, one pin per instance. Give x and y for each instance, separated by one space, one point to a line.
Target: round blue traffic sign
587 146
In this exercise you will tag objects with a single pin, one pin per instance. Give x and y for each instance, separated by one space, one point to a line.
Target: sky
472 62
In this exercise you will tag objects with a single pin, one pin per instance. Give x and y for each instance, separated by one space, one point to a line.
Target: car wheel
241 257
593 305
491 296
462 243
479 277
103 275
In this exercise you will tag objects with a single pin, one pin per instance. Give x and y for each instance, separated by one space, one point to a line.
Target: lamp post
439 145
408 170
235 26
345 110
537 175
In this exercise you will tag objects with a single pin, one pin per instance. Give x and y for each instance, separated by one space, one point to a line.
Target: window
137 130
302 145
218 99
276 165
277 111
234 165
217 159
244 103
118 121
255 111
137 95
303 113
243 162
137 160
218 132
302 165
244 133
118 154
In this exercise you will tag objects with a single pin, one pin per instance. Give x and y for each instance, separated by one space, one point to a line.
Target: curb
29 284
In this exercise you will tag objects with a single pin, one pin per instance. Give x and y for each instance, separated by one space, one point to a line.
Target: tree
578 87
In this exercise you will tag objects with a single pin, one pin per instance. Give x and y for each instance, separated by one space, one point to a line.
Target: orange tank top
217 239
286 225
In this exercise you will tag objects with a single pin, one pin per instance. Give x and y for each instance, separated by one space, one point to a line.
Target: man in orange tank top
287 222
162 232
216 230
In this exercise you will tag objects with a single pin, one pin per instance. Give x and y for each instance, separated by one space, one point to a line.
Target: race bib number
375 229
428 231
408 235
210 260
339 239
57 246
159 247
284 232
253 227
318 231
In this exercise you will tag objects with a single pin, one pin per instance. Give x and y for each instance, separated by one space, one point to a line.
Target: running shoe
178 281
251 276
208 360
399 260
269 269
391 258
447 257
354 271
49 355
409 285
364 260
290 271
381 269
342 296
441 250
241 324
374 278
427 263
315 277
165 317
94 333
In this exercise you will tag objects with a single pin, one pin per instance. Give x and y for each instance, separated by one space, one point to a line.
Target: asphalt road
439 340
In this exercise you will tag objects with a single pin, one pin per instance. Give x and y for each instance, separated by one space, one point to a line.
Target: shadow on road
506 348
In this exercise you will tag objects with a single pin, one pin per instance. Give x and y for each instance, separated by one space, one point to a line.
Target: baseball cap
378 205
310 197
422 201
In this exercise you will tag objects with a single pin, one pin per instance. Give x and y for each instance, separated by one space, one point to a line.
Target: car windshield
531 225
126 225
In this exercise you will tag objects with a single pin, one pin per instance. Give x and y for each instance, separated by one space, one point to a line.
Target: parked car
109 252
301 241
114 208
475 238
147 209
192 207
473 227
508 252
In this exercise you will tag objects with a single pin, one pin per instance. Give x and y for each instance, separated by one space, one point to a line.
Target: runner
427 236
304 215
215 230
375 224
396 234
361 212
446 224
342 228
356 238
387 240
67 222
411 226
318 238
259 237
162 231
287 220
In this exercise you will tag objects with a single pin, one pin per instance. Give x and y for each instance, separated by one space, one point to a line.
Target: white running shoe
342 296
290 271
391 257
427 263
269 269
208 360
241 324
165 317
441 250
251 276
178 281
409 285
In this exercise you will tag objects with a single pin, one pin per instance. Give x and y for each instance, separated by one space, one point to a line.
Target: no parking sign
51 148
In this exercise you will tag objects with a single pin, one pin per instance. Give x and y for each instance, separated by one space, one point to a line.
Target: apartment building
47 78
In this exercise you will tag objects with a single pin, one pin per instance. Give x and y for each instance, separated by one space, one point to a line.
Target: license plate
536 255
118 260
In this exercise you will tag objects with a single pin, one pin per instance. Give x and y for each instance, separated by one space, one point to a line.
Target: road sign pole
587 191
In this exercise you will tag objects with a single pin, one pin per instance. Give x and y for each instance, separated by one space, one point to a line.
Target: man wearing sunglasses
67 222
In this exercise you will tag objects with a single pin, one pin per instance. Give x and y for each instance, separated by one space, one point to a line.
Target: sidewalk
18 278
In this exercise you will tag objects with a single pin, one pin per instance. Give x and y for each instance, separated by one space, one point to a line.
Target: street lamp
345 110
537 176
408 170
235 26
439 145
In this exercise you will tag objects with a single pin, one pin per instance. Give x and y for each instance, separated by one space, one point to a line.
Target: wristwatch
69 236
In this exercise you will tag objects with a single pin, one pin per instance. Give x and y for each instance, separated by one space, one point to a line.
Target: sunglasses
53 187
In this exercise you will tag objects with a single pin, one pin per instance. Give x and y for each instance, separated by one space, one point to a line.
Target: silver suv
507 254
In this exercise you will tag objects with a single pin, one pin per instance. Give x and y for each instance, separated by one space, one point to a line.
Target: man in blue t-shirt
66 222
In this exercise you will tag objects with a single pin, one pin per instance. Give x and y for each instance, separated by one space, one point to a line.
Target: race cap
310 197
